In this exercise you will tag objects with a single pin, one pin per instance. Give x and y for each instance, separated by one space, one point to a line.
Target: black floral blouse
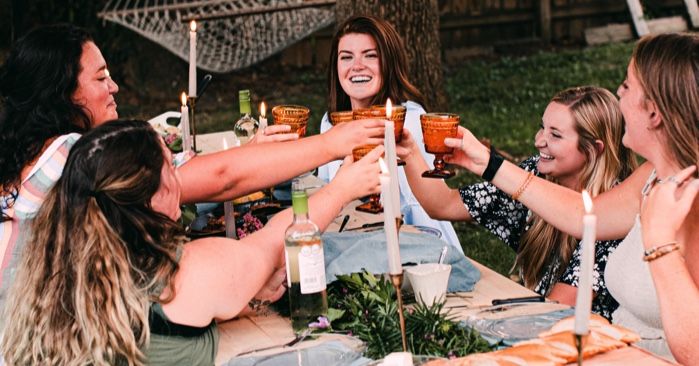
507 219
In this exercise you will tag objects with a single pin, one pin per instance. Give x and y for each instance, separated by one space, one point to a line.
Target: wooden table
267 334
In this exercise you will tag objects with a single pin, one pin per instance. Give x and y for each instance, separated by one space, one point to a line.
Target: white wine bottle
246 126
305 264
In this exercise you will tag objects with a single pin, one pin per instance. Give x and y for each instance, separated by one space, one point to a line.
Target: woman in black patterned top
579 145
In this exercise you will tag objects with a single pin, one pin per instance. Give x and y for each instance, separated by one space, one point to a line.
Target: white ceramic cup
429 281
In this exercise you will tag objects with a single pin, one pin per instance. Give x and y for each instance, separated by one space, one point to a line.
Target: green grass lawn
501 100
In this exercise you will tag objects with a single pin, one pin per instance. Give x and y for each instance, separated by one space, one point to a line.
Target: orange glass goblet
341 117
435 128
374 204
379 112
295 116
398 118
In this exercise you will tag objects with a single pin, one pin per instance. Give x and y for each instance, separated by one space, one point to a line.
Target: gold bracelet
524 185
659 251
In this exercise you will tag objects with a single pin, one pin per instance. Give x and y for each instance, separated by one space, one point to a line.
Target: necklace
653 179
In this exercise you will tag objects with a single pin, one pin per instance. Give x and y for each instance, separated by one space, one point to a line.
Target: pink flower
249 226
322 323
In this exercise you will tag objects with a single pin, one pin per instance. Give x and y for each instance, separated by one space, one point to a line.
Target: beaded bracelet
524 185
494 163
659 251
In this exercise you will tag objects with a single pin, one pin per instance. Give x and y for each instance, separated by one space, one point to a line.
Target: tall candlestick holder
579 347
397 281
192 103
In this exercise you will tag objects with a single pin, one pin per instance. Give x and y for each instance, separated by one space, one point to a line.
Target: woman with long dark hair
367 65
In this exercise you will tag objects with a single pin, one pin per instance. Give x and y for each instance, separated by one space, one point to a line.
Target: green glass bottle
305 264
246 126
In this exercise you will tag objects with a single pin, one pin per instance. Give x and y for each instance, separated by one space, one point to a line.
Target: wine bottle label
311 269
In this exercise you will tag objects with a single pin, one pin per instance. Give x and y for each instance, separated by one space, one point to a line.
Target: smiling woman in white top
367 66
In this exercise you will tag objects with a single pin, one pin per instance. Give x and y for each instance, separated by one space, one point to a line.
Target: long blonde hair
97 256
667 66
597 116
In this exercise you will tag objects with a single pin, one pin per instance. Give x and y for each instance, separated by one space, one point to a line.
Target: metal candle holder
192 103
397 281
579 347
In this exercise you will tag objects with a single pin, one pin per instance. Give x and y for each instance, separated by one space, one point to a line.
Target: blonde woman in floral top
509 220
579 148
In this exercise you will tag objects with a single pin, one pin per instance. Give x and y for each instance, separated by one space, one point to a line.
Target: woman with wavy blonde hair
107 277
579 148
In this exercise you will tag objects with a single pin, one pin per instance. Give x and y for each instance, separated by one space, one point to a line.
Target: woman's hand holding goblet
344 137
274 133
407 148
359 178
468 151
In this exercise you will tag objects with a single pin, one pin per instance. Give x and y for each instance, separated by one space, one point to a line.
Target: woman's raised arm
616 209
666 220
218 276
239 171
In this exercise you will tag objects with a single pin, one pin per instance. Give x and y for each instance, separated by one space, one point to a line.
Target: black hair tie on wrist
494 163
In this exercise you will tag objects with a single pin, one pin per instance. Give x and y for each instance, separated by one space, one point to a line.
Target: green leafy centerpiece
363 305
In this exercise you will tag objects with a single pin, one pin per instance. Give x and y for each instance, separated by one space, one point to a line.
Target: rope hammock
231 34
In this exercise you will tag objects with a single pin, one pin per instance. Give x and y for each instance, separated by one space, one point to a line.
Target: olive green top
182 350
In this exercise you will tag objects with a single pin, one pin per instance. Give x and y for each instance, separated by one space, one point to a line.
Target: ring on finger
670 179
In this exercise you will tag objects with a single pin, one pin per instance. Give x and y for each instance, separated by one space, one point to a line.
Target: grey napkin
349 252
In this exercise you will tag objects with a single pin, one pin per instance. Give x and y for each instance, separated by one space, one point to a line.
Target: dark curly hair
37 83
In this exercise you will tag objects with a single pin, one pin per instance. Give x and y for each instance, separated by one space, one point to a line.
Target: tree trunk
417 22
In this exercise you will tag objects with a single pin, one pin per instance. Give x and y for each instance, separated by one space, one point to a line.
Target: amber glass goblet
379 112
341 117
295 116
397 116
374 204
435 128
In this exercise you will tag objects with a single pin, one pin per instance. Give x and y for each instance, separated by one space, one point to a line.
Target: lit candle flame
183 98
225 144
193 26
384 167
263 109
389 108
587 201
107 74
